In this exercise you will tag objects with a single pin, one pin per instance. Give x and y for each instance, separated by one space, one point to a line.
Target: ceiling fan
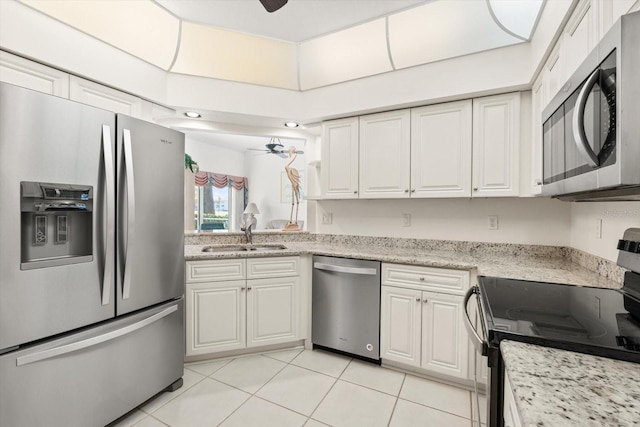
273 5
274 146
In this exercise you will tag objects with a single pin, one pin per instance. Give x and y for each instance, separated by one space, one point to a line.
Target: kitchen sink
265 247
243 248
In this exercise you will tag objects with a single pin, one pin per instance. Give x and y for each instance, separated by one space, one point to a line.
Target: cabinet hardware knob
475 189
242 289
413 191
406 191
355 192
425 300
538 182
418 299
422 279
249 288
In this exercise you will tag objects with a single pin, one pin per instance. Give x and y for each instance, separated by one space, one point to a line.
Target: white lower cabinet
272 311
216 317
422 328
224 315
510 411
445 345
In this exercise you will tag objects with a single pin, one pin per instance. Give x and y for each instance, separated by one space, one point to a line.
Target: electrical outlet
492 221
406 220
327 218
598 228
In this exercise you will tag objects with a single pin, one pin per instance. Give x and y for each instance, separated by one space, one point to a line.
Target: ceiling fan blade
281 154
258 149
273 5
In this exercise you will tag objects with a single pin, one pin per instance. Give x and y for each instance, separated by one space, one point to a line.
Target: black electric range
597 321
602 322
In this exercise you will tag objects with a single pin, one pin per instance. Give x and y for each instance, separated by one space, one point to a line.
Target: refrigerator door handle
109 257
90 342
131 212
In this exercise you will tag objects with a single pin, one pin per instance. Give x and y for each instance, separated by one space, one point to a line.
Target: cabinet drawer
426 278
261 268
216 270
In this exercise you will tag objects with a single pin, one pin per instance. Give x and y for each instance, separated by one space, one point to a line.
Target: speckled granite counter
510 261
561 388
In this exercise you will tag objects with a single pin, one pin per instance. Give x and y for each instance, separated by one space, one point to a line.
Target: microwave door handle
580 136
480 344
131 213
109 257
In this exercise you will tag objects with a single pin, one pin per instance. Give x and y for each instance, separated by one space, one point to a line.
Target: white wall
265 174
211 158
525 220
616 217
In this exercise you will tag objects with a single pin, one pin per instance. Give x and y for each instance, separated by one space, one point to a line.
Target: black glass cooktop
604 322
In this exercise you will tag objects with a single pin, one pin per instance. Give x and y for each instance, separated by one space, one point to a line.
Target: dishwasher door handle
343 269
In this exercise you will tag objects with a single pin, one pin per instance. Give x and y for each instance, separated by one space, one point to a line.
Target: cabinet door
580 36
441 150
496 139
537 105
22 72
510 410
100 96
273 311
445 347
215 316
384 155
554 74
339 172
400 325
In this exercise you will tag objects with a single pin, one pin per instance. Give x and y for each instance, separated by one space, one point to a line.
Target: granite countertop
515 266
561 388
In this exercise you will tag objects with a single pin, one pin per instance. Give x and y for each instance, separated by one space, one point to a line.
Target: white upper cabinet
95 94
339 172
385 142
441 150
31 75
553 72
579 37
496 140
537 104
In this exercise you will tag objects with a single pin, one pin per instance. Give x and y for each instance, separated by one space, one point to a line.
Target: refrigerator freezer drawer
95 376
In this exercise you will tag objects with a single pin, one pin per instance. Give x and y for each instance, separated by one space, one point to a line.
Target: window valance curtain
219 180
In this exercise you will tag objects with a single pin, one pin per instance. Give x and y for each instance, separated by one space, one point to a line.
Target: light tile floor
296 387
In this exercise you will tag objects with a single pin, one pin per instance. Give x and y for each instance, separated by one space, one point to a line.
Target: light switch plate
406 220
492 221
327 218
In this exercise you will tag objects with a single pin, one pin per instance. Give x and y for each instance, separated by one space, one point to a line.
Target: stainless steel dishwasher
346 306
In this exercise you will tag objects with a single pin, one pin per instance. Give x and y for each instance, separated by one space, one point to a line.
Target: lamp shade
251 209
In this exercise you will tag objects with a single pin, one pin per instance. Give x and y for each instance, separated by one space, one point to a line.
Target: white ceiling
296 21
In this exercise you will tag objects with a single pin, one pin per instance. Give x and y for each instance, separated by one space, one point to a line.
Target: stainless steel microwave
591 128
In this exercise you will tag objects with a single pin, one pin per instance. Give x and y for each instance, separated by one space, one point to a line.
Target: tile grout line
250 394
329 391
396 402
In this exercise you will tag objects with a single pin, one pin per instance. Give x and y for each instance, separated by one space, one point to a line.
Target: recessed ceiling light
192 114
291 124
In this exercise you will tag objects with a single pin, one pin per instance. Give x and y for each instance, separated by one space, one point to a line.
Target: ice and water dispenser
56 224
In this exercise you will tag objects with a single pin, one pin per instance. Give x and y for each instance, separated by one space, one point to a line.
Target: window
212 208
219 201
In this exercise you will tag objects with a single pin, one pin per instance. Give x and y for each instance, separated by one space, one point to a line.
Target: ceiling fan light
291 124
273 5
193 114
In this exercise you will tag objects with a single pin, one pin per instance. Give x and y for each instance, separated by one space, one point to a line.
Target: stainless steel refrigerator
91 261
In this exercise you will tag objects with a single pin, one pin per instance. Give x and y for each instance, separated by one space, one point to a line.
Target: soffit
383 39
